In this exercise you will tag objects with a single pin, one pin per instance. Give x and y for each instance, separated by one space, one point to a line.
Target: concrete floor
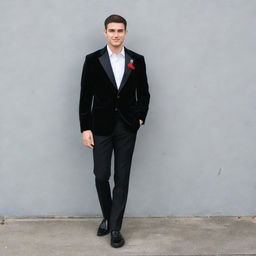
143 236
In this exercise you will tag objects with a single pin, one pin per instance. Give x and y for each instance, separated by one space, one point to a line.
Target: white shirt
117 62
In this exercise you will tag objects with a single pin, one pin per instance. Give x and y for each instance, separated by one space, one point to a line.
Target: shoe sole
116 245
103 234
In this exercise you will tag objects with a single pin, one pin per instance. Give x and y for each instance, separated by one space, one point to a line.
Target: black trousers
122 141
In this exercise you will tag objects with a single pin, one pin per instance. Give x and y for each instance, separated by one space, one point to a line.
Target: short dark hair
115 18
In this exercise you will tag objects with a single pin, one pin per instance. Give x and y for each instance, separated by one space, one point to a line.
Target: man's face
115 33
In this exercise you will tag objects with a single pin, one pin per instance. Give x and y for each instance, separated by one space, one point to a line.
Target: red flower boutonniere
130 65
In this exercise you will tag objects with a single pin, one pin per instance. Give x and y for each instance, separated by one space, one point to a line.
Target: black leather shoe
103 228
117 239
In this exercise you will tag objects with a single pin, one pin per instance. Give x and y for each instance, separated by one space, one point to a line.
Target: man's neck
116 50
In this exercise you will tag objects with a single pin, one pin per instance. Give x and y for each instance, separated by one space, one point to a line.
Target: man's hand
88 138
141 122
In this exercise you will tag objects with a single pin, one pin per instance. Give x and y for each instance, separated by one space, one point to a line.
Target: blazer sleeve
86 96
143 95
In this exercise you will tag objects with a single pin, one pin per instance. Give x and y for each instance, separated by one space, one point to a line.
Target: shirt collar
110 53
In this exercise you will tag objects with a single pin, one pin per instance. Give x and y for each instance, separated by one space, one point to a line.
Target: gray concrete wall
195 156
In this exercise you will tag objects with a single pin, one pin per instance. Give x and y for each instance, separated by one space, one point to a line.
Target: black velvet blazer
100 96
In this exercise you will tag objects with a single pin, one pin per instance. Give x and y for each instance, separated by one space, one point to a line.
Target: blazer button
116 109
118 96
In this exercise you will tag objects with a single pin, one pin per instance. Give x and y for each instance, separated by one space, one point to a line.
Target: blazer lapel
127 71
106 64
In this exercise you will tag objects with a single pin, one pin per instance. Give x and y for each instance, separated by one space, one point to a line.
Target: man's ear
105 32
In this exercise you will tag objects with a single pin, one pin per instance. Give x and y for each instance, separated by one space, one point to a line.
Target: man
114 102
